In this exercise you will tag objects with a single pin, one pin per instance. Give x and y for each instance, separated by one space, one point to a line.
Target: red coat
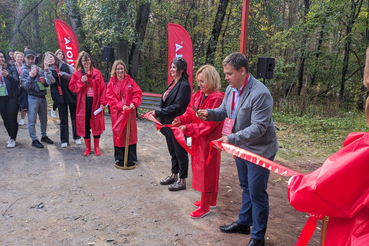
121 93
205 178
339 189
96 81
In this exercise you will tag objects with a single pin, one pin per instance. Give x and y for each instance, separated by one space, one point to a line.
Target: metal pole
324 230
125 167
244 26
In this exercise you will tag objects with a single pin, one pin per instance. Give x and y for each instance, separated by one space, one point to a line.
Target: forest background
318 45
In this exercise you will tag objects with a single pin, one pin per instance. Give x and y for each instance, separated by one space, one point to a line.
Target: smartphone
5 66
33 67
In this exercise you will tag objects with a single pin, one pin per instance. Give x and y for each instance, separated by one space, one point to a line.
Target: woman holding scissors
205 177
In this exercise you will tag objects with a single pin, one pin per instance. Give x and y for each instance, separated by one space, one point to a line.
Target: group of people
246 103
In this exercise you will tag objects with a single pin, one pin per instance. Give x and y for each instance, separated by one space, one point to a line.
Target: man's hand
222 139
202 114
33 73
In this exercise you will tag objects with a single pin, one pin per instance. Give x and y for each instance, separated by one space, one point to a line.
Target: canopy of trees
319 45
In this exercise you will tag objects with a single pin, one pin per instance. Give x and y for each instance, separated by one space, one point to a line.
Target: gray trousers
37 105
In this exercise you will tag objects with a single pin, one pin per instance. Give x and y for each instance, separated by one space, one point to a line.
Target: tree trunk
75 18
355 10
300 74
219 17
122 47
141 23
37 45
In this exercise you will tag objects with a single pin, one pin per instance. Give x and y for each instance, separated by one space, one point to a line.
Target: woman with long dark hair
174 102
9 92
123 93
90 87
58 75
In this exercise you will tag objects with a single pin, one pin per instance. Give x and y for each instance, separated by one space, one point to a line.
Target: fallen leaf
229 190
208 243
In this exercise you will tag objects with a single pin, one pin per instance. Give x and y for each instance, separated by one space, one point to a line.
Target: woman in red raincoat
90 87
123 93
338 189
205 178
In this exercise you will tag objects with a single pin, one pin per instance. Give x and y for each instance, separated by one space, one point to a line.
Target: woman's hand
5 72
102 107
84 79
125 107
183 128
132 106
152 113
176 122
47 62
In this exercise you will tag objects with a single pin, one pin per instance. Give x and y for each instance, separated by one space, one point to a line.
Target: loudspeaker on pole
108 54
265 67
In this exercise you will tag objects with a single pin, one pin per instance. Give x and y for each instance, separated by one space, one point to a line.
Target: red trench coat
96 81
205 178
121 93
339 189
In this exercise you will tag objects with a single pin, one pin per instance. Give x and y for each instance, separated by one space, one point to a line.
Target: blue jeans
37 105
254 210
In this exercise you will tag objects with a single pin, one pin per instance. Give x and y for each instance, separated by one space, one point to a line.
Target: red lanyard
19 69
234 94
57 71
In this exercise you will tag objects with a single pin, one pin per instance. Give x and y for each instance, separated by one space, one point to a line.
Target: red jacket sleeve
75 83
102 88
136 94
112 97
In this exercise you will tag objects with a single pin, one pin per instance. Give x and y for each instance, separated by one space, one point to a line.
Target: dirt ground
55 196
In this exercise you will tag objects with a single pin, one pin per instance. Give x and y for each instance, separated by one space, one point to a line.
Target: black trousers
132 153
55 105
89 101
179 156
64 127
9 112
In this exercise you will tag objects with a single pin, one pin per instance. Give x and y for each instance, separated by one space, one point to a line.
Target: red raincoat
339 189
121 93
205 178
96 81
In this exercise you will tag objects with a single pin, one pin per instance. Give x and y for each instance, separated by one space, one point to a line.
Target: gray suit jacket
253 128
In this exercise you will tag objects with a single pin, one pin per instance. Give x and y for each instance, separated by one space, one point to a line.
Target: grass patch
312 139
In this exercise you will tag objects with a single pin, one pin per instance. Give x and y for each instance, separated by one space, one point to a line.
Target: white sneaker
53 113
11 143
78 141
21 122
64 145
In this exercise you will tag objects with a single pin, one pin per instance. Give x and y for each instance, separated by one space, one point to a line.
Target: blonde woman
123 93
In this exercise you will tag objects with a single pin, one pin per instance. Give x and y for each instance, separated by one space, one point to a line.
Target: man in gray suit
248 105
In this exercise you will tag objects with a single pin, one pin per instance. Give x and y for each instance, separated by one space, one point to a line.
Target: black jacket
175 103
12 81
68 96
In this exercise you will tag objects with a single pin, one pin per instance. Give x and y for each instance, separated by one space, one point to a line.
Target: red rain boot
96 146
88 147
204 208
213 201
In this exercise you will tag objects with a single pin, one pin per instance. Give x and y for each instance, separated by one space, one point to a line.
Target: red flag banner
180 45
251 157
68 41
178 133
